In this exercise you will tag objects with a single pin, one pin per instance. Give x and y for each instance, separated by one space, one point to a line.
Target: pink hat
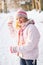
21 13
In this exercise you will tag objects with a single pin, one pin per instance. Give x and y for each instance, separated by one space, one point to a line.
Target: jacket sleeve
31 41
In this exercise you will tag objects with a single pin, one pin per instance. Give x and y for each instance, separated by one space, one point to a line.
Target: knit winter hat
21 13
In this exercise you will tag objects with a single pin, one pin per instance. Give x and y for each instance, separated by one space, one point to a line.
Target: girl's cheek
20 21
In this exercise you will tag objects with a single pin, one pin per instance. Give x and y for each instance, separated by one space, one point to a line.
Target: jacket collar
27 23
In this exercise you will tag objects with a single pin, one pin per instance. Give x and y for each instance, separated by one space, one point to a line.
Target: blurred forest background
8 8
9 5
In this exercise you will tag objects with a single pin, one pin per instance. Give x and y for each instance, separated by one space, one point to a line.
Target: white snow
6 58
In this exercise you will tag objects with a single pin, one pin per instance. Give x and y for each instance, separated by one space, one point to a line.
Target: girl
28 39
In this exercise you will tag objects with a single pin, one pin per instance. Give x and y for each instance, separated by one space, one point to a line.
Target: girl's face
20 21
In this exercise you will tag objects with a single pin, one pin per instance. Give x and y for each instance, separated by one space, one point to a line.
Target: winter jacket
31 37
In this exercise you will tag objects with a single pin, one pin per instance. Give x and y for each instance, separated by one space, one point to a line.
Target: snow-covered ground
6 58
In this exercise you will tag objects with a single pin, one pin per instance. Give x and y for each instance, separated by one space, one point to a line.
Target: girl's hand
11 28
10 24
13 49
